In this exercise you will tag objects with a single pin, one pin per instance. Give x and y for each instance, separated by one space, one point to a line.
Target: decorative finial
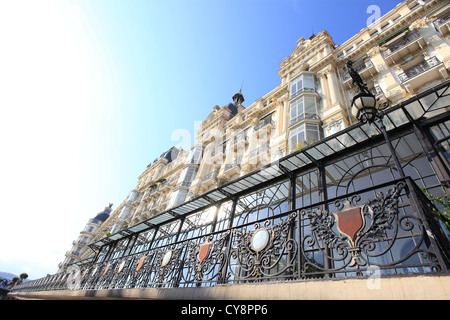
238 98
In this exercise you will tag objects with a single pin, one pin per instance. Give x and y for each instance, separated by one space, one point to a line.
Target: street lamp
365 109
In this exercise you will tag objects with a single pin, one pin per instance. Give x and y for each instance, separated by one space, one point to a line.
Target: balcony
155 205
184 184
265 123
366 70
209 179
397 50
165 186
443 24
218 152
422 73
260 155
211 175
302 116
376 91
398 242
231 169
239 141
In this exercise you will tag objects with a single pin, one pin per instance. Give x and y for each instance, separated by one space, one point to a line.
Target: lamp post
364 108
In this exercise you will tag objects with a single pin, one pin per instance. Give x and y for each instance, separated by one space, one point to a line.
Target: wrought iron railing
441 21
260 150
302 90
304 115
389 227
403 42
218 151
265 122
229 166
376 91
210 175
366 65
419 69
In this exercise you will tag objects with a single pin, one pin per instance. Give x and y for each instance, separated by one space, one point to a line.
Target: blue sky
91 91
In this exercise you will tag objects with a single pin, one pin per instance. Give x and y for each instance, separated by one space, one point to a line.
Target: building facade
80 246
259 195
402 54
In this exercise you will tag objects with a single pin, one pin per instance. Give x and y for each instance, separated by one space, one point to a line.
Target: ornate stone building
80 246
401 56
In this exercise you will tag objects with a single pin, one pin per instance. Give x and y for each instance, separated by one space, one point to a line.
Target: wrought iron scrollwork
375 233
207 260
167 264
267 251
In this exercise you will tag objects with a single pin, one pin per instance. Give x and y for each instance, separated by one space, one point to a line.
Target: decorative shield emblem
166 258
260 240
122 264
106 269
141 262
204 251
350 222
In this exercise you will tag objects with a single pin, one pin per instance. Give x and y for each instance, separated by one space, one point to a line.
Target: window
196 155
303 83
177 198
303 135
303 108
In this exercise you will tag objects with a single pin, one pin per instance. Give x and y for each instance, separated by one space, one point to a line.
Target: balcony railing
210 175
238 139
230 166
264 123
406 40
184 184
309 116
441 21
366 65
418 69
260 150
391 229
218 151
376 91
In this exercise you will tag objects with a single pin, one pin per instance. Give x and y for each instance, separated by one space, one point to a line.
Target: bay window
303 108
303 135
304 83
